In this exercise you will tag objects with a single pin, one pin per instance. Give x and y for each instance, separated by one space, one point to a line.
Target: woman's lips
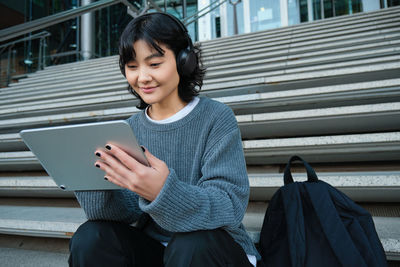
148 90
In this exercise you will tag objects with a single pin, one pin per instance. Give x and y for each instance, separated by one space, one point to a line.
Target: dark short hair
158 29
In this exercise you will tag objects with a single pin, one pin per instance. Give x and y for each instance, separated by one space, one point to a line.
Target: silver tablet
67 152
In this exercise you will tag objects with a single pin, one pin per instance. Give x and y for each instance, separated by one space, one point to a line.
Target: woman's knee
89 236
94 238
185 249
194 241
204 248
95 243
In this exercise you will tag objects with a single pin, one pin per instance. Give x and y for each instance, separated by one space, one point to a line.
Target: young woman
188 205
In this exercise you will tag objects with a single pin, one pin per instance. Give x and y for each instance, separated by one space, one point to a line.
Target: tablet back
67 152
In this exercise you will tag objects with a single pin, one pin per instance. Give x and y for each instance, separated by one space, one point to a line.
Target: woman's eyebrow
154 55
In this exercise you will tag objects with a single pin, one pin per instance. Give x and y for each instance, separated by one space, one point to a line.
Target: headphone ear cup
186 62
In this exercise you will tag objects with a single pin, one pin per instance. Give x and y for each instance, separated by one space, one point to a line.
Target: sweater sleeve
113 205
219 199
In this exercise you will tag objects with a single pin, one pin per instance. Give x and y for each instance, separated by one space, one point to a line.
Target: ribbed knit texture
207 187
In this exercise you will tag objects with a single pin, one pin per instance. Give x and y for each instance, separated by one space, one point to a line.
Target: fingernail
143 149
108 147
98 154
97 165
105 178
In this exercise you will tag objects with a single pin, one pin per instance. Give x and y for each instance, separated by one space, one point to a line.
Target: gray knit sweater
207 187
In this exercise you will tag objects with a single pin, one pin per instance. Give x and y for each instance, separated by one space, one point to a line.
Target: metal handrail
42 34
41 23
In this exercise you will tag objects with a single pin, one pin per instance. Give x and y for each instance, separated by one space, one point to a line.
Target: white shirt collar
177 116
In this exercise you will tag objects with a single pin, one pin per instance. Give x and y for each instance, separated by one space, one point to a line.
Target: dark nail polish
98 154
105 178
108 147
97 165
143 149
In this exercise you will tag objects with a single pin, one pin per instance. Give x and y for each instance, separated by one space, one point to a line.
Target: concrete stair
328 91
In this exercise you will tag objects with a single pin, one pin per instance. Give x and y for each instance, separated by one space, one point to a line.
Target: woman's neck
160 111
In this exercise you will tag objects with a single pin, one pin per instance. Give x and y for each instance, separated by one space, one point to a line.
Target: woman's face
154 76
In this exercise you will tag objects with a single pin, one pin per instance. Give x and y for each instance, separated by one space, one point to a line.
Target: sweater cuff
170 195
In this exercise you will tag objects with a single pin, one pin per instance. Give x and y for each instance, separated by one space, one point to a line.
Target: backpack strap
295 224
288 178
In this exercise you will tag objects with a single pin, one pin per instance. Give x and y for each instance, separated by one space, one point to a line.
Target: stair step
336 148
364 186
77 117
12 257
316 96
330 121
368 186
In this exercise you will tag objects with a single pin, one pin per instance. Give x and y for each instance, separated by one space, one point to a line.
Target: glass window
293 12
370 5
333 8
346 7
329 7
393 3
297 11
191 9
264 15
303 11
215 23
316 9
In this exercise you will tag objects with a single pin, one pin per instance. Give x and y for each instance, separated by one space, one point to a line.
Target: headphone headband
183 27
177 21
186 59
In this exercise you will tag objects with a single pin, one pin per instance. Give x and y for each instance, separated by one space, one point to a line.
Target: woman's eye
155 64
132 66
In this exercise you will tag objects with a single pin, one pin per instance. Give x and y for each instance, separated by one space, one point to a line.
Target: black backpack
313 224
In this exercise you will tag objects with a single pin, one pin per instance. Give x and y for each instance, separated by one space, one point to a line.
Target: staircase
328 91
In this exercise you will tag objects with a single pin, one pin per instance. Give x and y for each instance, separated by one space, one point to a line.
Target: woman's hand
123 170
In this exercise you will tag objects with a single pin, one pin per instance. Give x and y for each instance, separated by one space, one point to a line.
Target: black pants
101 243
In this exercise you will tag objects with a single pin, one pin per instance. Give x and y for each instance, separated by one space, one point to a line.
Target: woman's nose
144 76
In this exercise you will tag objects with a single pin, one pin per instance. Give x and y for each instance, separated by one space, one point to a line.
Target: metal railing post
44 52
184 6
40 54
322 9
235 23
194 17
14 54
87 32
9 65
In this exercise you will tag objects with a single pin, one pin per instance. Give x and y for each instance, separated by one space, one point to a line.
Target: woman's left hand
125 171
